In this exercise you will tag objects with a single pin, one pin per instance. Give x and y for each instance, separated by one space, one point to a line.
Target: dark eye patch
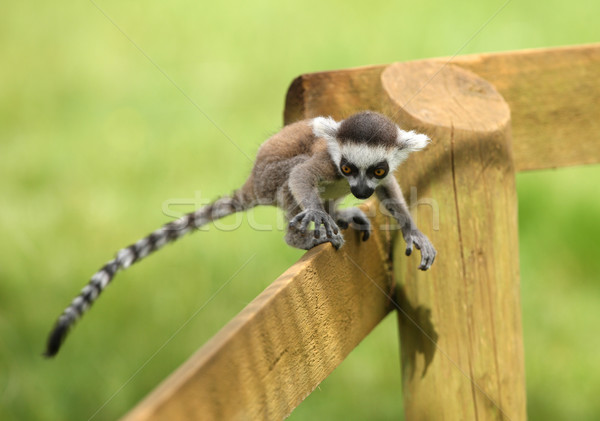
345 163
376 170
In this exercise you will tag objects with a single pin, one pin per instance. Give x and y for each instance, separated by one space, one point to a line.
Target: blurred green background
95 140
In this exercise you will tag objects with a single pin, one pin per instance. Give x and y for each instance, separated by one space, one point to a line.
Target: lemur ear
325 127
411 141
408 142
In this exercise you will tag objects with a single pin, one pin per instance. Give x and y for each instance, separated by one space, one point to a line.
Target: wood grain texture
264 362
460 324
340 93
553 94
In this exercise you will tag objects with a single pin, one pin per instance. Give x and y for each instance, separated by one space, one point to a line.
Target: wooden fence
489 116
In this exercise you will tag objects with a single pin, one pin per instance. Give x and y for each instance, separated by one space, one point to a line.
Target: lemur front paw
421 242
357 219
319 218
336 241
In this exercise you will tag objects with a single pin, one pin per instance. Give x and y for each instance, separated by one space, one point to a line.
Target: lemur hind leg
355 218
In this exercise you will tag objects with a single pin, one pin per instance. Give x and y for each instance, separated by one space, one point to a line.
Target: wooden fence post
460 322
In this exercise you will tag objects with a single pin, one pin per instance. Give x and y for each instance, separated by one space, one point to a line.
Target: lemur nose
362 192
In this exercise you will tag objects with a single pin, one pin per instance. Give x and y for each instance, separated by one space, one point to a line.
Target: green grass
94 140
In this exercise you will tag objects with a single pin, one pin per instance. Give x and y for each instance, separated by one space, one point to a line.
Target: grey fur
299 170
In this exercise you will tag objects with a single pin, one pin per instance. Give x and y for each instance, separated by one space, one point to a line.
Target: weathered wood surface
553 94
264 362
460 322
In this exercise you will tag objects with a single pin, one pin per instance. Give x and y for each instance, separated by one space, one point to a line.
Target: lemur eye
346 169
379 172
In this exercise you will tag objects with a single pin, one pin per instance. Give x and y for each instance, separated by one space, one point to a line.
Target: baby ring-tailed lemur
306 169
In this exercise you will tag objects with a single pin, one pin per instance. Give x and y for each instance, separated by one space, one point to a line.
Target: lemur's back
278 155
293 140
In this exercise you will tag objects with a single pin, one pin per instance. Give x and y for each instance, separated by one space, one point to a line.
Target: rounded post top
426 93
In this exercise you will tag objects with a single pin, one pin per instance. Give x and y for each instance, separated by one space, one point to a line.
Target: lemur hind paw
357 219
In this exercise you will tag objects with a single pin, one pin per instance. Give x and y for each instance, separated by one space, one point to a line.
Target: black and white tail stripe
134 253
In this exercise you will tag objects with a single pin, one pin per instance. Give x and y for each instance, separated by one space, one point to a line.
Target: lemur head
366 148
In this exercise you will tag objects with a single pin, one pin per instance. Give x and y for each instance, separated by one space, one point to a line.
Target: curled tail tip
56 338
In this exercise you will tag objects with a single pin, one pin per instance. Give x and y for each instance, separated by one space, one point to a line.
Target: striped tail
134 253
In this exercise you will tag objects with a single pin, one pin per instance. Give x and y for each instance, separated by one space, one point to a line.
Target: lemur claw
337 241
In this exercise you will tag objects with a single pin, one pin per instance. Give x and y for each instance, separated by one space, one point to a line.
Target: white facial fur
362 155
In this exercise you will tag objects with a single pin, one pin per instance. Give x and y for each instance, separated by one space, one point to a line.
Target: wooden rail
266 360
460 326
